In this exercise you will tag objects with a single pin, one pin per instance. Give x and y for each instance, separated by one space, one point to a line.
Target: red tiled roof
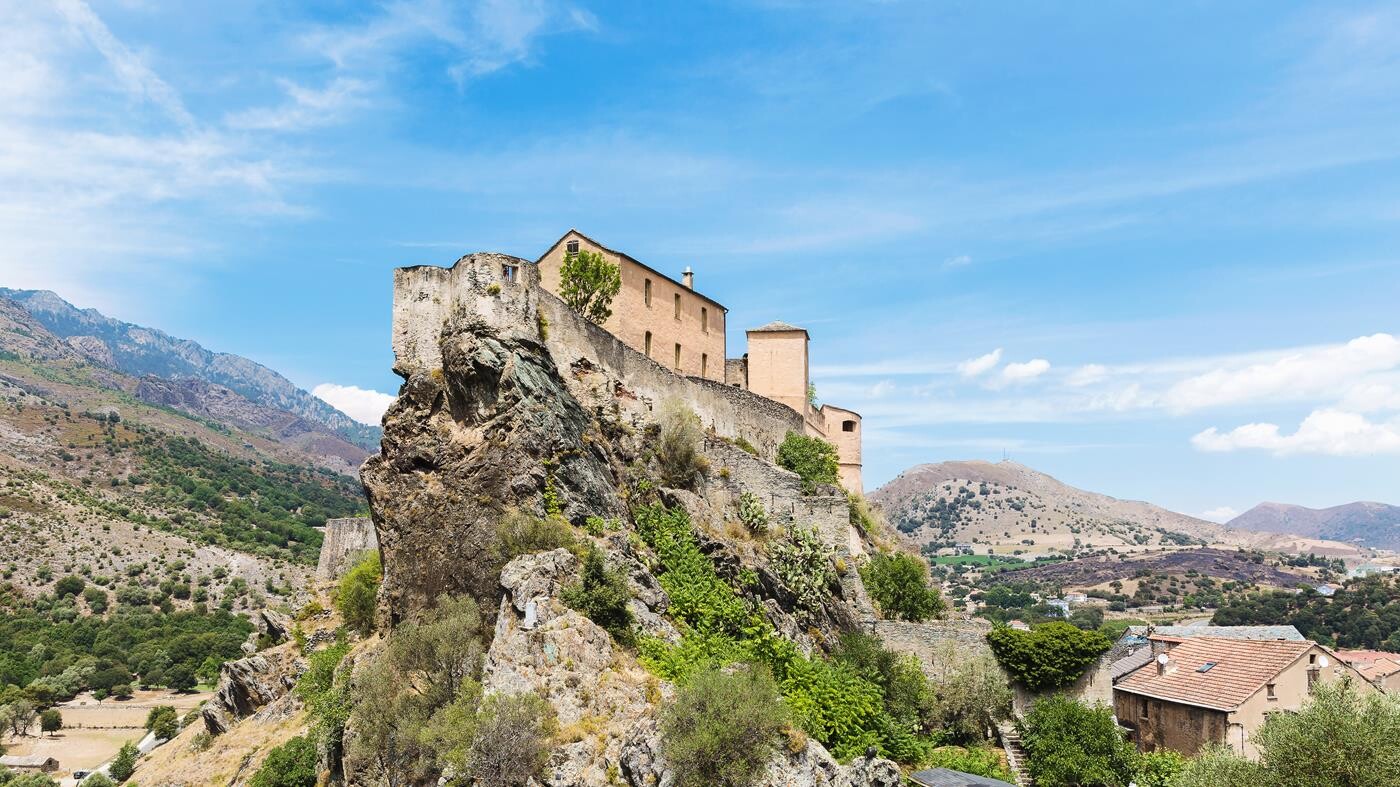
1352 656
1242 668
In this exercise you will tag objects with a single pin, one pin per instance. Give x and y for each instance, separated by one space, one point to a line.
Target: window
678 357
704 319
1312 658
1270 689
508 272
678 306
572 247
1207 667
648 344
646 293
848 426
704 363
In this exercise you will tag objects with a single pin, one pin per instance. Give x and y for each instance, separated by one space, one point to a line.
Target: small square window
1270 689
572 247
848 426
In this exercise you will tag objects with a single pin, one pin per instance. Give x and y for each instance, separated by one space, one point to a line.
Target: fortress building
674 325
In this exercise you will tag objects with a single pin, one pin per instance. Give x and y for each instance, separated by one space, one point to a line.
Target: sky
1149 248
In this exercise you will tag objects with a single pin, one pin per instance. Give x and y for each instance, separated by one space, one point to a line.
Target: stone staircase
1015 754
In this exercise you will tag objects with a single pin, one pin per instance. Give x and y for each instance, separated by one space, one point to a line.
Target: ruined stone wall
941 646
603 372
344 541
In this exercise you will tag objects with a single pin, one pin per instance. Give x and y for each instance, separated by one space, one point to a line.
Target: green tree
355 596
973 695
722 727
96 780
163 721
899 584
293 764
124 764
588 284
602 594
812 458
69 586
9 778
1070 744
1158 768
512 739
1051 656
51 721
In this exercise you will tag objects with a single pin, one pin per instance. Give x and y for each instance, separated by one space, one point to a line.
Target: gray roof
26 761
1219 632
777 326
1130 662
942 777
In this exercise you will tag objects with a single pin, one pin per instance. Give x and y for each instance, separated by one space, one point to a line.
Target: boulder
245 686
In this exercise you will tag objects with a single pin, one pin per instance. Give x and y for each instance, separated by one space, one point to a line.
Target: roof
1378 669
777 326
1130 662
1350 656
624 255
26 761
943 777
1219 632
1372 664
1240 669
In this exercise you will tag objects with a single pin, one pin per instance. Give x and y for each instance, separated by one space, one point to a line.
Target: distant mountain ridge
1369 524
139 351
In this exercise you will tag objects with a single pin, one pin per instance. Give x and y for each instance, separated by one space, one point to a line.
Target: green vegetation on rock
722 727
355 595
899 584
812 458
1051 656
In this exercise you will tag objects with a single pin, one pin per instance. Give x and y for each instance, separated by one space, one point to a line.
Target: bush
69 586
588 282
163 721
125 762
752 514
293 764
900 587
972 696
978 761
678 446
50 721
835 705
355 597
519 534
1052 656
1158 768
95 780
803 562
722 727
602 594
1069 744
326 700
812 458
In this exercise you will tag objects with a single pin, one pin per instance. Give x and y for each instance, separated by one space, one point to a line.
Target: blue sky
1150 248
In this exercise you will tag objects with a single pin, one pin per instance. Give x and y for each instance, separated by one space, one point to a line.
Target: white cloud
1297 375
1222 514
881 389
306 107
1087 374
1333 432
960 261
974 367
363 405
1021 372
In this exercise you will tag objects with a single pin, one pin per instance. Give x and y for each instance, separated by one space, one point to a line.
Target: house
1019 625
943 777
1206 690
1060 604
1077 598
35 763
675 325
1326 590
1380 668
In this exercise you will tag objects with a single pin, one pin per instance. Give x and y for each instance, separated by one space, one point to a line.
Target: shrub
95 780
900 587
50 721
1052 656
835 705
163 721
812 458
293 764
978 761
355 597
602 594
588 283
752 513
1069 744
1217 765
722 727
744 445
69 586
972 696
519 534
327 702
678 446
124 764
1158 768
500 741
803 563
909 700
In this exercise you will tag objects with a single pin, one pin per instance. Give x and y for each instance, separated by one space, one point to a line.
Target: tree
588 284
51 721
812 458
97 780
973 695
125 762
163 721
69 586
899 585
1069 744
293 764
11 779
722 727
1051 656
355 596
18 716
180 678
512 740
602 594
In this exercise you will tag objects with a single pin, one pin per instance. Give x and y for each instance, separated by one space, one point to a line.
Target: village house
672 323
1381 669
1206 690
31 763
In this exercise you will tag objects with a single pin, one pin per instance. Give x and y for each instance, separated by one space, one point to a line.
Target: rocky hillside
1374 525
1016 509
140 352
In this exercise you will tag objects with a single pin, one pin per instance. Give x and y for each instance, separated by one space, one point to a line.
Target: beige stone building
678 327
1212 690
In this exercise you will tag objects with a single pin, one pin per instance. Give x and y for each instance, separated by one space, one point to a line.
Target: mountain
140 351
1374 525
1010 505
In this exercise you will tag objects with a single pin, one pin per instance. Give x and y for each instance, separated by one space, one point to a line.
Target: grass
974 560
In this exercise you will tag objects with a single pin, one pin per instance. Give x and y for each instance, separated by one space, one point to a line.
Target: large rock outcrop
253 684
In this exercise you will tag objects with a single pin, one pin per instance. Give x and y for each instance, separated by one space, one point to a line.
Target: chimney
688 278
1165 665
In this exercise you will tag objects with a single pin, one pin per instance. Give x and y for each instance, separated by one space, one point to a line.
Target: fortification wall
345 540
941 645
603 372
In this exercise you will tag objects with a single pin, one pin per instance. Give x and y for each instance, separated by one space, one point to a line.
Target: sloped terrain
1368 524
